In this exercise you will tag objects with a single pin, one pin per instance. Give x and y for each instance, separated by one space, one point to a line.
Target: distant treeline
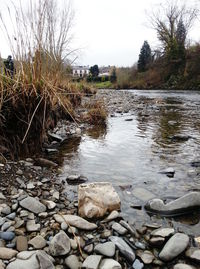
175 64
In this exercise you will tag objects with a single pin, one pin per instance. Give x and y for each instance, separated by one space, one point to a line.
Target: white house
80 71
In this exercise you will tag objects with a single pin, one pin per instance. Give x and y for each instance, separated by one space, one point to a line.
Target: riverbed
147 132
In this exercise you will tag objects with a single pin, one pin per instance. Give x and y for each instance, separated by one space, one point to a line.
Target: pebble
72 262
194 254
60 244
137 264
7 236
163 232
123 248
183 266
119 228
31 226
22 243
174 246
32 205
92 262
109 264
7 253
106 249
37 242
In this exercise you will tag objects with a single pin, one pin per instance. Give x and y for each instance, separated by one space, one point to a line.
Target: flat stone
119 228
106 249
11 216
123 248
32 205
163 232
183 266
174 246
193 253
30 186
21 243
60 244
92 262
95 200
7 253
143 194
109 264
45 163
6 225
72 262
37 242
31 226
2 197
56 195
75 221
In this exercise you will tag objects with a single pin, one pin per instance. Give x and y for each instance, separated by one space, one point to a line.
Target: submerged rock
180 206
97 199
174 246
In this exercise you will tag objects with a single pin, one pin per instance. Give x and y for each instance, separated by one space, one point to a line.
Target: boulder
174 246
95 200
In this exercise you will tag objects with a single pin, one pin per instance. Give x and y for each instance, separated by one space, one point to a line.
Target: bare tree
172 23
43 30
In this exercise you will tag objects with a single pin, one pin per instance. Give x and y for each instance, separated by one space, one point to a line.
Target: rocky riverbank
41 226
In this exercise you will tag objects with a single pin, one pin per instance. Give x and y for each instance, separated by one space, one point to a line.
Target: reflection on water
132 152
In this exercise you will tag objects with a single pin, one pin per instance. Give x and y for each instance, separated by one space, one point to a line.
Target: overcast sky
111 32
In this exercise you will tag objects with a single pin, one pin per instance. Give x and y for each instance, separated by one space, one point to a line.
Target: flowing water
136 146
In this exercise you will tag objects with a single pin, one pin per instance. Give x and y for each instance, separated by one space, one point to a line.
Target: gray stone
11 216
123 247
6 225
6 210
107 249
193 253
37 242
157 241
64 226
174 246
138 264
119 228
75 221
181 205
32 260
32 205
163 232
2 197
92 262
60 244
72 262
31 226
109 264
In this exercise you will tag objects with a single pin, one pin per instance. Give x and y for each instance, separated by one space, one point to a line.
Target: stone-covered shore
40 227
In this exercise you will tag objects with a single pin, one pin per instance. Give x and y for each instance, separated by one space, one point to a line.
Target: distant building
80 71
104 71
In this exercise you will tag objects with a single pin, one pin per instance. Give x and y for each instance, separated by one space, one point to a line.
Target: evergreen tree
94 71
145 57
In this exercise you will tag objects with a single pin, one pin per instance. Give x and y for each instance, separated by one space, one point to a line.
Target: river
148 132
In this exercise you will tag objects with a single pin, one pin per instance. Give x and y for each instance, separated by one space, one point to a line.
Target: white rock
97 199
92 262
109 264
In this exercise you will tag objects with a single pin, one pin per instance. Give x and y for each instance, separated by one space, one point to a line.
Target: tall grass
38 94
